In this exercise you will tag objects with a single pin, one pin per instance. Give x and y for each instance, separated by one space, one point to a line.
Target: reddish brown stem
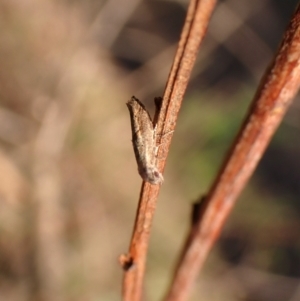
278 87
198 16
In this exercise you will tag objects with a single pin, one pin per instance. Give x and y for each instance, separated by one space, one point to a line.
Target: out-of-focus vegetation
69 185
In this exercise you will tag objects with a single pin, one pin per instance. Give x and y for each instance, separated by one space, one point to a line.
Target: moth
144 141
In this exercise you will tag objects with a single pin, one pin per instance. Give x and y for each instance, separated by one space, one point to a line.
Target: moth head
152 175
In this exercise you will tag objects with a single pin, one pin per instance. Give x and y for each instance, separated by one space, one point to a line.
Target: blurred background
69 183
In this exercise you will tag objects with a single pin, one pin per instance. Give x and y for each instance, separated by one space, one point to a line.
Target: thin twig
278 87
47 194
198 16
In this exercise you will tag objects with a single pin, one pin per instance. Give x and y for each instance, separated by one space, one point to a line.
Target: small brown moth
144 141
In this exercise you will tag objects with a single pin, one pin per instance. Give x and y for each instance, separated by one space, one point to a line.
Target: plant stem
198 15
274 95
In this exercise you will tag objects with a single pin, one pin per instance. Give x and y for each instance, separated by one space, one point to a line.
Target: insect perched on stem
144 141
